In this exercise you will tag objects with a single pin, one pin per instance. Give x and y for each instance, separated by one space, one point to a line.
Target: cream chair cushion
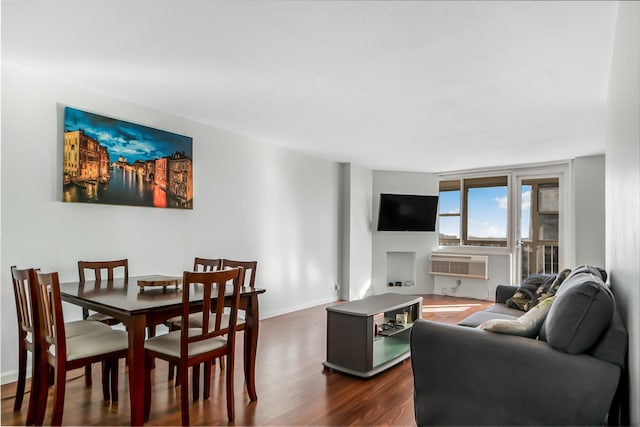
81 327
169 344
195 321
93 344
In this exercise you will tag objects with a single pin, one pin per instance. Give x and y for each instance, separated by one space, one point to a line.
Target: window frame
563 170
463 184
451 185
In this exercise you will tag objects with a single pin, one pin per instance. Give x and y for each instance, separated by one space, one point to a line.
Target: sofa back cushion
581 312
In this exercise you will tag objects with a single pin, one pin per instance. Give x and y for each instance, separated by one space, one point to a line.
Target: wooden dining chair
190 347
199 264
27 324
206 264
249 267
64 353
24 288
97 267
195 320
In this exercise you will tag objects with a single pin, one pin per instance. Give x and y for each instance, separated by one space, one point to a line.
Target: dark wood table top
127 296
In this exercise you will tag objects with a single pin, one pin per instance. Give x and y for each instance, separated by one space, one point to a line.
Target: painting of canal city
115 162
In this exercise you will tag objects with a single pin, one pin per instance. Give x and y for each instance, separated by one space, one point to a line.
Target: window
540 226
449 215
483 219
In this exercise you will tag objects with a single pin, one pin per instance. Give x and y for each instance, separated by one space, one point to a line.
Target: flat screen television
407 212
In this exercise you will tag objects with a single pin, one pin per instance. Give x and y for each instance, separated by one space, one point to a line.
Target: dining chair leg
147 388
22 375
206 378
230 399
41 391
52 374
172 367
170 372
196 382
87 375
184 394
114 380
59 387
36 379
106 368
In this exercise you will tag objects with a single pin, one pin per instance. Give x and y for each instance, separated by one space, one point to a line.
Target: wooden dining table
139 307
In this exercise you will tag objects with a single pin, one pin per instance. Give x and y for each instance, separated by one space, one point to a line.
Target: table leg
251 345
136 331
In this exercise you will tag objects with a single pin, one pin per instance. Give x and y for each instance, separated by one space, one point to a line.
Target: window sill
474 250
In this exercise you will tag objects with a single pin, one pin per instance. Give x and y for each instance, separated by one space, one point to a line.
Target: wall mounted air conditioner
471 266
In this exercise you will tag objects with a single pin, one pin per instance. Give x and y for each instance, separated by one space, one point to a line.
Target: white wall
251 201
589 208
418 244
356 232
623 185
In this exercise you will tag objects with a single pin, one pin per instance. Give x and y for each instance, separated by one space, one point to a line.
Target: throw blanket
535 289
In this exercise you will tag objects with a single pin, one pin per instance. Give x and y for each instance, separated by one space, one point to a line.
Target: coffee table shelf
354 347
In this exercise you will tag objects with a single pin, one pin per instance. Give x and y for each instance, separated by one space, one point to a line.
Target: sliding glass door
538 236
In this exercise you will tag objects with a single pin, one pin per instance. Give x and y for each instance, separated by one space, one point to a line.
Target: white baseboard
12 376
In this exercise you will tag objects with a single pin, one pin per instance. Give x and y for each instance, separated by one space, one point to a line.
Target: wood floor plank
293 387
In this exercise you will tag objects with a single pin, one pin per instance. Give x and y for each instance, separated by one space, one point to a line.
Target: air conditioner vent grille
472 266
459 268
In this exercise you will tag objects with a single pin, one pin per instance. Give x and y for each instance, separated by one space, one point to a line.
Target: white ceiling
418 86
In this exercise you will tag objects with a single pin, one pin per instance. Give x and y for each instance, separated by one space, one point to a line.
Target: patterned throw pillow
527 325
536 288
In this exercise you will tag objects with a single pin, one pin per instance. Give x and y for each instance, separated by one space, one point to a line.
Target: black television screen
406 212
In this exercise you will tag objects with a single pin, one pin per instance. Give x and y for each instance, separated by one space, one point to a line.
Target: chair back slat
206 264
98 266
50 305
24 293
250 268
214 286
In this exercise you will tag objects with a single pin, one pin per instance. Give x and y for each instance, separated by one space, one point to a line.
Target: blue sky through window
488 212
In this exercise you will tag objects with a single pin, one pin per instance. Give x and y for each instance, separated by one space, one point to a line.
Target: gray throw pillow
581 312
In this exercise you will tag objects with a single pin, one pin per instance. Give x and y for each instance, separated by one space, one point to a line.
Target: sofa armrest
468 376
504 292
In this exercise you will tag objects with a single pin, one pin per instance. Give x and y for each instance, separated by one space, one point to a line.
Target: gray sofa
568 374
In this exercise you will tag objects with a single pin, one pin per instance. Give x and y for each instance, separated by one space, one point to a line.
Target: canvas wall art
112 161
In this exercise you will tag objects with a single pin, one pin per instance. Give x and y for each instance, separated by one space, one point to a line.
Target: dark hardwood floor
293 388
